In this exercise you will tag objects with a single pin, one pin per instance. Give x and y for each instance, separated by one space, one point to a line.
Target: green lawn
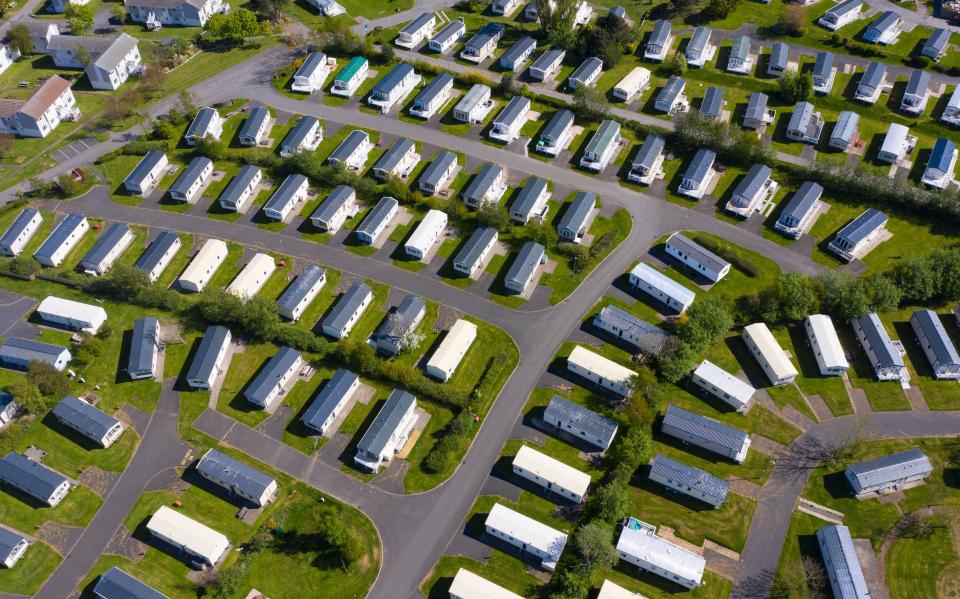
800 544
31 571
70 454
76 509
914 566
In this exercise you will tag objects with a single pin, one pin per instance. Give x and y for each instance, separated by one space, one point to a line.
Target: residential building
474 106
602 147
658 44
639 545
347 310
805 125
487 187
255 128
779 59
698 175
858 236
451 33
941 167
117 584
64 237
291 193
573 224
530 536
618 12
208 124
935 46
449 354
915 95
547 64
689 481
340 205
699 49
393 87
350 77
144 348
353 151
426 234
37 116
757 114
305 136
551 474
19 234
611 590
92 423
524 267
377 221
672 98
842 564
195 543
192 180
251 278
158 255
12 547
241 190
579 422
208 363
897 144
71 315
586 74
518 53
700 259
660 287
705 433
466 584
888 473
298 295
479 47
203 266
311 74
16 352
845 131
841 14
8 55
825 345
506 126
632 84
740 60
648 162
416 30
884 30
554 138
774 362
41 32
824 73
393 333
601 371
330 402
504 8
752 190
148 172
33 479
265 389
531 202
186 13
9 409
108 62
936 344
432 97
637 335
884 356
712 104
473 255
388 432
872 83
237 478
724 386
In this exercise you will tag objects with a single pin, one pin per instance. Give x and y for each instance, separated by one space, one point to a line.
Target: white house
208 124
416 30
345 313
825 345
697 257
602 371
426 234
672 98
312 73
8 55
531 202
451 33
639 545
106 249
884 30
661 287
291 193
841 14
547 64
197 543
16 352
398 161
917 92
297 297
252 277
448 355
350 77
389 431
872 83
239 193
12 547
19 234
203 266
148 172
192 180
237 478
551 474
108 62
632 84
860 235
884 356
724 386
530 536
466 584
740 60
187 13
586 74
92 423
602 147
265 389
393 87
768 353
64 237
72 315
474 106
159 254
329 403
554 138
507 125
37 116
335 209
699 49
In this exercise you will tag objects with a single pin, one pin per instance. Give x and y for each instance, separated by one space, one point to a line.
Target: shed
388 432
73 315
347 310
268 385
239 479
159 254
207 363
328 404
724 386
19 234
705 433
392 334
93 423
451 351
144 348
662 288
298 295
62 239
203 266
191 539
689 481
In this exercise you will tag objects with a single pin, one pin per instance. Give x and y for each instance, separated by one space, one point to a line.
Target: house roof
449 31
861 227
738 390
269 376
25 350
700 165
936 43
698 41
191 174
660 34
348 146
697 252
840 558
259 114
143 346
32 477
918 83
310 65
770 350
753 181
482 38
201 540
117 584
78 311
705 428
692 478
285 193
559 122
421 21
672 90
578 211
392 157
879 341
607 133
476 94
512 111
92 44
302 285
846 126
548 59
350 70
205 360
468 585
60 234
936 336
340 195
712 104
433 89
116 52
756 106
237 185
873 77
392 79
844 7
828 342
473 249
329 398
9 541
941 157
552 470
202 122
643 544
648 153
527 530
779 55
519 48
663 283
300 131
91 421
386 422
234 473
481 184
146 165
44 97
594 424
740 49
155 251
823 65
801 203
347 305
648 338
378 216
586 69
889 468
527 199
19 225
525 263
401 320
804 119
885 21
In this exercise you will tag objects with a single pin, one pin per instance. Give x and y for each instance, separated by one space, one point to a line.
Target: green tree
19 37
119 12
28 396
233 28
798 297
917 278
49 380
590 104
594 543
612 501
947 261
885 296
843 295
795 87
557 19
79 18
493 215
24 266
707 321
720 9
676 361
678 64
646 396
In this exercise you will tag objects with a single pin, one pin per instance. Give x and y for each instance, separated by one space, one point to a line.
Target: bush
24 266
300 339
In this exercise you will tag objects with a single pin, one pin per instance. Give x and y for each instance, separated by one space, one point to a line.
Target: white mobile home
586 74
768 353
888 473
12 547
107 249
92 423
602 147
239 193
479 47
632 84
301 292
689 481
192 180
252 277
208 124
523 268
16 352
393 87
662 288
350 77
416 30
20 232
518 53
329 403
487 187
265 389
64 237
311 73
353 151
547 64
841 14
554 138
531 202
203 266
724 386
658 44
467 585
672 98
842 563
825 345
377 220
648 162
451 33
936 344
148 172
305 136
638 335
159 254
72 315
699 49
751 191
588 426
190 539
345 313
340 205
940 170
237 478
438 173
506 126
883 354
602 371
551 474
951 112
291 193
33 479
432 97
474 106
426 234
473 255
255 128
529 535
398 161
208 362
705 433
145 347
388 432
859 235
448 355
700 259
639 545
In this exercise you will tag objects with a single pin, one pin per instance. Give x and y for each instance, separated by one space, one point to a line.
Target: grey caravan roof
801 203
547 59
801 118
823 66
527 198
18 226
239 184
8 541
340 195
314 61
285 193
347 305
91 421
268 377
844 7
234 473
471 251
146 337
190 174
861 227
578 211
432 89
712 104
26 350
617 11
392 79
436 169
888 468
450 29
386 422
417 24
846 126
482 182
597 425
117 584
201 123
298 290
348 146
60 234
34 478
779 55
935 43
559 122
698 42
697 252
650 338
525 263
376 216
327 399
299 133
486 33
392 157
512 111
874 75
751 183
518 49
879 341
399 321
942 155
840 556
671 89
940 343
700 165
156 250
649 152
143 168
740 48
473 97
885 21
756 107
259 114
104 245
705 428
692 478
205 361
660 34
918 83
586 69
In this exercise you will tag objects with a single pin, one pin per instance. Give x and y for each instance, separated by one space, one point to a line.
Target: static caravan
377 220
700 259
158 255
466 584
255 128
432 97
239 193
203 266
33 479
71 315
305 136
518 53
451 33
353 151
144 349
107 249
12 547
90 422
426 235
689 481
504 8
841 14
935 46
805 125
753 188
192 180
388 432
64 237
350 77
340 205
660 287
897 144
648 161
672 98
474 106
523 268
148 172
392 334
117 584
779 59
884 30
602 147
551 474
883 354
473 255
712 104
311 74
483 43
573 224
824 73
859 235
208 362
554 138
208 124
547 64
198 544
705 433
19 234
639 545
530 536
800 210
610 590
393 87
637 335
347 310
330 401
724 386
252 277
757 115
740 60
699 49
265 389
301 292
487 187
449 354
767 351
941 167
842 563
291 193
531 202
16 352
572 418
237 478
658 44
603 372
586 74
506 126
888 473
936 344
416 30
632 84
845 130
915 95
872 83
699 174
